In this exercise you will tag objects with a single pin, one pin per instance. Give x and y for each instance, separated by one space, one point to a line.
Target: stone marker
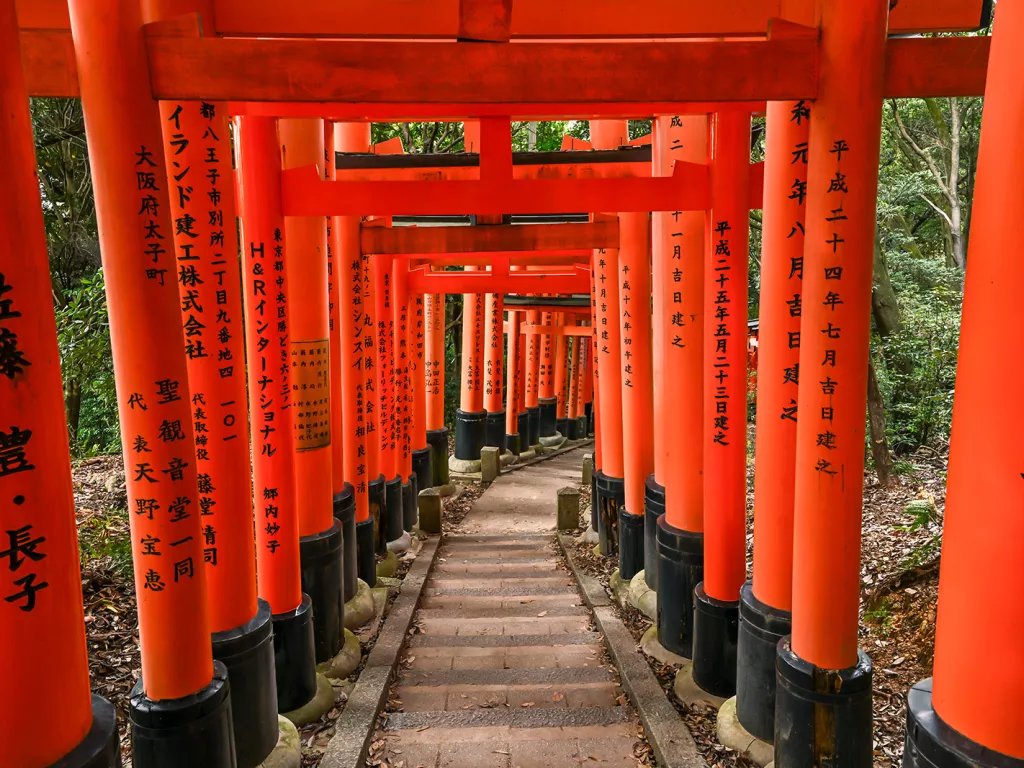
588 468
568 509
430 510
490 464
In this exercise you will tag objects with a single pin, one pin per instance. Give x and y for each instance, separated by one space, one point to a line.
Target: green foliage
924 516
104 537
83 336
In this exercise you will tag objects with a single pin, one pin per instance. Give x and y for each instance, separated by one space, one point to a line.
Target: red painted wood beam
422 280
485 20
558 330
502 237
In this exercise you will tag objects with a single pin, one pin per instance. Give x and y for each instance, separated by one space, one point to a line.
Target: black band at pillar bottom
588 409
654 508
469 434
512 443
611 494
548 416
422 461
932 743
377 502
572 429
523 428
437 439
410 503
365 544
761 629
680 570
533 420
294 659
494 430
101 748
247 652
322 570
822 716
716 626
595 507
631 543
394 515
192 730
563 426
345 513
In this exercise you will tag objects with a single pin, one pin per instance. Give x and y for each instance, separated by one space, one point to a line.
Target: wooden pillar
979 664
403 391
512 384
42 647
725 408
494 429
842 180
470 417
561 374
437 431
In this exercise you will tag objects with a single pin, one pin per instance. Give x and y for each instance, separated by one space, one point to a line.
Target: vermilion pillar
766 601
42 647
135 229
575 390
437 431
674 522
470 416
970 713
547 401
609 134
381 266
562 373
716 608
376 493
587 385
842 181
265 290
512 384
349 295
403 392
320 546
532 388
494 349
421 455
634 278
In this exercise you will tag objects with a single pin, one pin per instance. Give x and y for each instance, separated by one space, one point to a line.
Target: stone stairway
506 670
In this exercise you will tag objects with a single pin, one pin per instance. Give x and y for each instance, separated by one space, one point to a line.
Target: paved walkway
508 671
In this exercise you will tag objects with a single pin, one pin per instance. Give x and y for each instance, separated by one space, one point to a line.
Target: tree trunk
73 410
879 445
884 307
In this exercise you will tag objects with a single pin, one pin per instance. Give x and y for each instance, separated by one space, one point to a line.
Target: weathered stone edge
348 747
546 456
670 738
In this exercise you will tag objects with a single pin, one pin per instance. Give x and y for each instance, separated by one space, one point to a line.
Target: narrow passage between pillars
716 604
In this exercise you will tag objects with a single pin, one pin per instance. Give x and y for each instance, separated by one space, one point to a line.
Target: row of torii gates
302 391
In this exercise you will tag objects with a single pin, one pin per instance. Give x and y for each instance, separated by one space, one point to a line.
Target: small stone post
568 508
588 468
490 463
430 510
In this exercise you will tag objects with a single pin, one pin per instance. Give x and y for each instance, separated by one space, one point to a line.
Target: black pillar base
469 434
715 632
437 439
247 652
378 510
572 429
931 743
680 570
523 428
563 427
654 508
410 503
595 501
533 420
192 730
494 430
588 409
548 416
394 514
512 443
322 568
761 629
631 543
100 748
822 716
345 513
611 494
422 460
365 541
581 427
294 659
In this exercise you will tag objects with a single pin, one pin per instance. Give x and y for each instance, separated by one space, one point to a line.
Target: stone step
509 598
425 698
497 610
516 657
496 589
608 746
548 625
553 579
524 568
500 538
483 677
439 721
457 641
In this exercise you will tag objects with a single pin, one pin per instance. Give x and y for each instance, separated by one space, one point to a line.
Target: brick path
507 671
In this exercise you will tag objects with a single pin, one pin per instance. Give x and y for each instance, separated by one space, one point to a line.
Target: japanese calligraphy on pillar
403 390
310 380
435 360
357 323
726 424
369 351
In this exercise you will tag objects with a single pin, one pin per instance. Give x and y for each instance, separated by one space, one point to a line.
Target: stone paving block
591 696
478 662
483 699
611 751
542 698
545 754
413 755
494 755
421 700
